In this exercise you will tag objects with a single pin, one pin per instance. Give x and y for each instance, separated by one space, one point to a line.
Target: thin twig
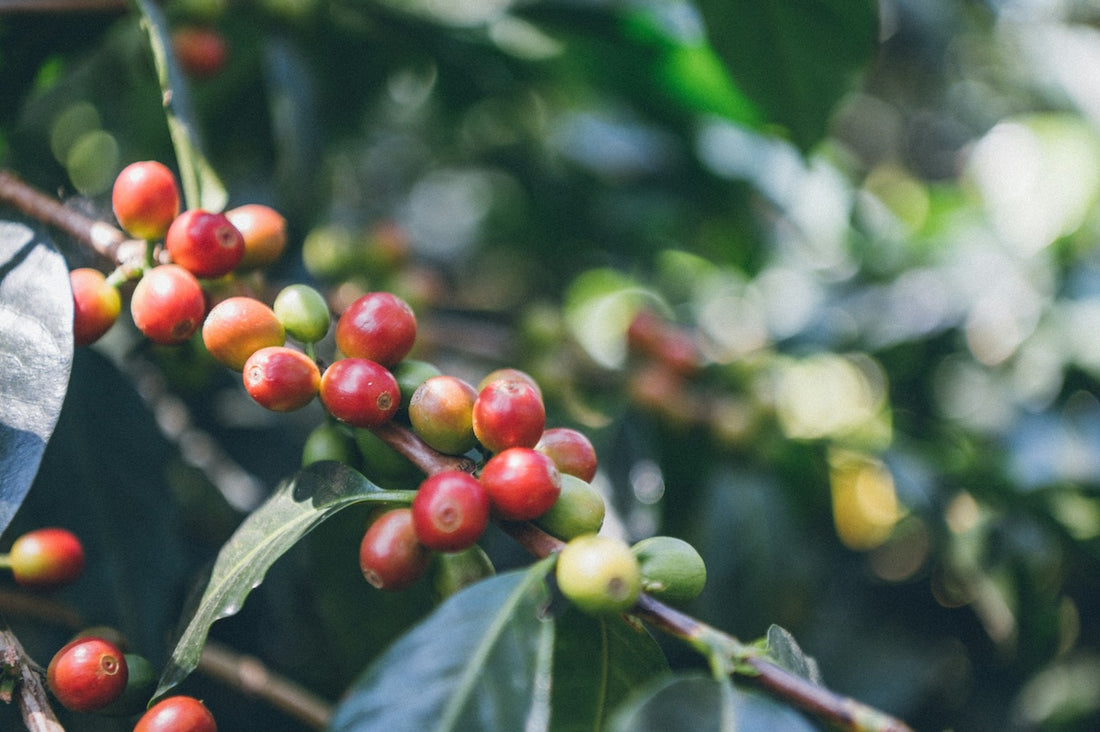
34 703
250 676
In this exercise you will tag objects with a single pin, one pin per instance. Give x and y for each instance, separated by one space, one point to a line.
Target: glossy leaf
36 350
201 186
292 511
784 650
482 660
702 704
598 662
794 59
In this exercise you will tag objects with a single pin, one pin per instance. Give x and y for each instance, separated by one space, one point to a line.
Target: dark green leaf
481 661
598 662
292 511
794 59
36 347
782 648
702 704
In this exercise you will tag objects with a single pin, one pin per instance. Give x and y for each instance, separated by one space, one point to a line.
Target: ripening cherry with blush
570 450
239 326
450 511
264 232
146 199
281 379
205 243
96 305
46 558
508 413
168 304
379 326
360 392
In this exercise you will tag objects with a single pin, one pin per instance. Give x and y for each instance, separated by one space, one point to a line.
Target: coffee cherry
87 674
96 305
360 392
672 569
441 413
329 442
378 326
201 51
281 379
599 574
141 683
410 374
204 243
450 511
168 304
45 558
522 484
579 510
382 463
146 199
508 413
177 714
237 327
570 450
455 570
264 232
390 554
303 312
509 374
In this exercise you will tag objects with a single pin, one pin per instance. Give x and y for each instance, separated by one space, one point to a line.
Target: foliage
876 225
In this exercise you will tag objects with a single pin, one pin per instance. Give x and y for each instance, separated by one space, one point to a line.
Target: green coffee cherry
329 442
410 374
672 569
599 574
579 510
455 570
381 463
303 313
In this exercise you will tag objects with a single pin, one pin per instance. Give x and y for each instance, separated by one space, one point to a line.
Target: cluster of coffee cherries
522 470
92 673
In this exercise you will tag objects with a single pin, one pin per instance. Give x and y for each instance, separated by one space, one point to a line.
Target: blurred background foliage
874 226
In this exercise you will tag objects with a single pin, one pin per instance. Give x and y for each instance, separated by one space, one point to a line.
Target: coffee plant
671 365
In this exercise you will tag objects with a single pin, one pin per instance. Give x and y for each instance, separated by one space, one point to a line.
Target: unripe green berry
579 510
455 570
329 442
672 569
599 574
303 312
410 374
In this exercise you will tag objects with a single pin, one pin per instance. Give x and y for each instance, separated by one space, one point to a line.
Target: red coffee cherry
360 392
177 714
281 379
146 199
168 304
508 413
441 412
200 50
96 305
264 232
87 674
522 483
205 243
48 557
390 555
237 327
570 450
378 326
450 511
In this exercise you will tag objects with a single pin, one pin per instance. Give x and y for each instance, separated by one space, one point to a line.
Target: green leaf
780 645
36 351
598 662
292 511
794 59
482 660
201 186
703 704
